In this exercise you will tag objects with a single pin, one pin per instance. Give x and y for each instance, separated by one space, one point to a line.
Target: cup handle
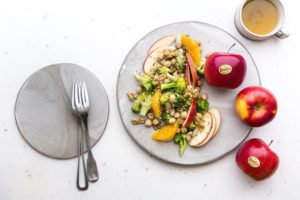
281 34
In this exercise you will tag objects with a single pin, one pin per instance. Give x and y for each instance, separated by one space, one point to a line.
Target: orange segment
165 133
192 47
156 108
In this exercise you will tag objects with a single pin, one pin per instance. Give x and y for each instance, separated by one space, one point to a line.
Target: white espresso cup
277 30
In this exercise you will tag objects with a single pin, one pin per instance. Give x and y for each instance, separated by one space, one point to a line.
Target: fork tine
77 95
85 95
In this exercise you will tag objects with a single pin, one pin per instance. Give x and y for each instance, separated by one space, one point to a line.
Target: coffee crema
260 16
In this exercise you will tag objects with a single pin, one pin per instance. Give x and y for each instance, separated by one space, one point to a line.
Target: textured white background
98 36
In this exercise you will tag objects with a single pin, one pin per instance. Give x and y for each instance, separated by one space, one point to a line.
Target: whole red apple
256 159
226 70
255 106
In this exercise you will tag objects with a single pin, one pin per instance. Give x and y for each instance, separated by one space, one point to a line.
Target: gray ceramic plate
232 132
43 110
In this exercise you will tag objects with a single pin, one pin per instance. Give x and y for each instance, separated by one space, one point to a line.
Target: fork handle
92 170
81 156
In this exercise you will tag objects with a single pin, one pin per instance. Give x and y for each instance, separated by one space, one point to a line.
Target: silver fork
80 143
82 106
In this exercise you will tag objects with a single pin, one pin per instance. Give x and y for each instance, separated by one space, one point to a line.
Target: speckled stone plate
43 110
232 132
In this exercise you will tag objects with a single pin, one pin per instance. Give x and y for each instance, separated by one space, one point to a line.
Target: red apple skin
191 114
256 106
215 75
257 148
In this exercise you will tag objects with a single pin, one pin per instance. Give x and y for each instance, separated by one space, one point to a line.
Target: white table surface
98 36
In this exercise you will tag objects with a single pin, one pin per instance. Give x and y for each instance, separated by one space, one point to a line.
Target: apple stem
270 142
231 47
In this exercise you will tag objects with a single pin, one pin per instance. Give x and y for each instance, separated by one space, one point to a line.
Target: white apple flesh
163 42
211 132
217 116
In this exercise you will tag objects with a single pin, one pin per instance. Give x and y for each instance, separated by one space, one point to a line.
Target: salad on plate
169 96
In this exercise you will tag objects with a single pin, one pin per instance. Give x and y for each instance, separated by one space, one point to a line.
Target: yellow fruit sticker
253 161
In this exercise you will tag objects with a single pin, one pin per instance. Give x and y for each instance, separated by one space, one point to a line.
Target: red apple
192 69
255 106
256 159
191 114
187 75
226 70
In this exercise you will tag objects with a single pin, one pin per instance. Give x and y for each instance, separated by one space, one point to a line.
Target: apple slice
202 133
193 69
217 116
187 75
152 57
163 42
191 114
211 132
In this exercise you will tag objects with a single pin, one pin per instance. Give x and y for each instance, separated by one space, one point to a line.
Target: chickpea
189 87
173 61
166 52
172 120
139 90
180 121
148 123
167 63
150 115
172 112
204 96
172 98
168 106
183 115
177 115
160 56
190 133
175 53
199 115
167 80
183 130
155 122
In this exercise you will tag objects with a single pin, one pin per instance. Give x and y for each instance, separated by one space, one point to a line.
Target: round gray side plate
43 110
232 132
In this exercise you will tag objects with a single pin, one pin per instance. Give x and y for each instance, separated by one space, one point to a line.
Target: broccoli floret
164 98
192 126
146 104
180 62
181 140
188 103
136 106
200 69
144 80
178 85
180 100
165 116
202 105
163 70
